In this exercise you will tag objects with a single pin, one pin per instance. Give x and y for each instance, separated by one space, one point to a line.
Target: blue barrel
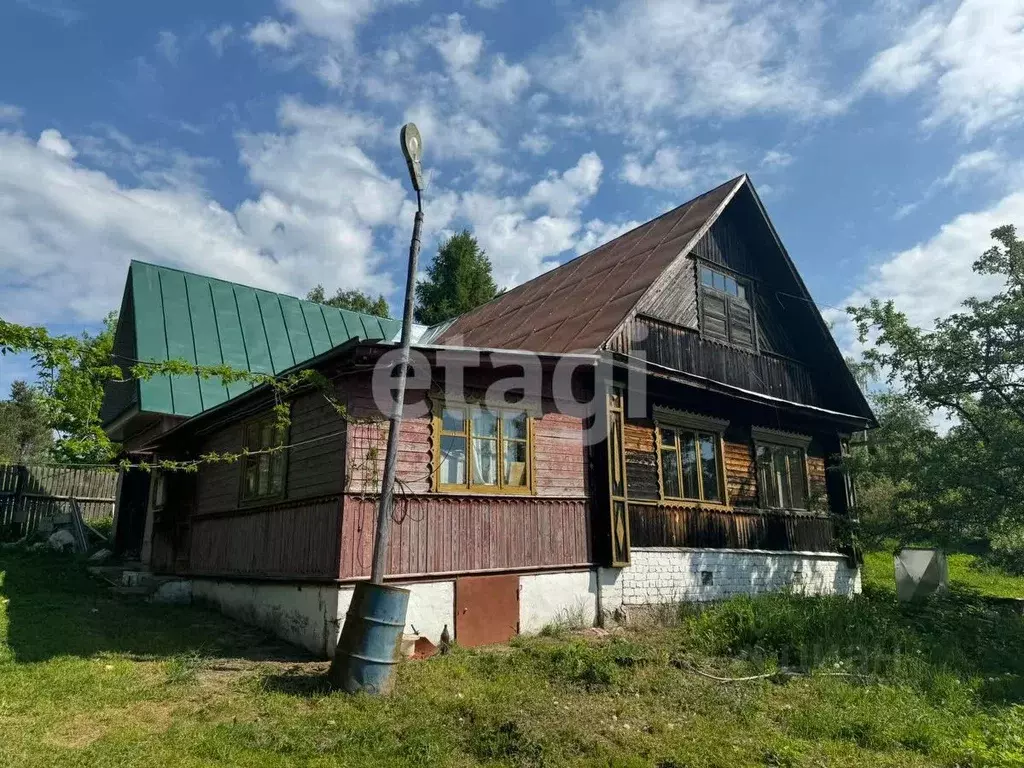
368 648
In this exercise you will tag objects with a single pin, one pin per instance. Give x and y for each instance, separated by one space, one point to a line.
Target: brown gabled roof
578 305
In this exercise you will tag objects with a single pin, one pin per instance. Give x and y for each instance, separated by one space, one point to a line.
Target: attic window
725 309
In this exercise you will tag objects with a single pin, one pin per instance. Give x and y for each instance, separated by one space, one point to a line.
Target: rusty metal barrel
368 648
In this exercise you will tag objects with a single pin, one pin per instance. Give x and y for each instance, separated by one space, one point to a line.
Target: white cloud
271 33
70 230
151 165
988 162
219 37
52 141
453 135
776 159
968 58
932 278
10 113
563 193
55 9
988 168
680 168
487 5
334 20
459 49
536 143
167 45
522 235
693 58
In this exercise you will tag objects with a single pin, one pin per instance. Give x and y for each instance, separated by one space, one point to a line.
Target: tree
357 301
75 395
458 280
25 433
71 374
970 367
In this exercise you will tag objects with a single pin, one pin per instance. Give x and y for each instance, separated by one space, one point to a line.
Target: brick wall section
658 576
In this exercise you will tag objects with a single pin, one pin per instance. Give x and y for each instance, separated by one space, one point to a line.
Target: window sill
486 490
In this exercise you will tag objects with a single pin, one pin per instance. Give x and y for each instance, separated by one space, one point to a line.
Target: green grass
965 571
91 680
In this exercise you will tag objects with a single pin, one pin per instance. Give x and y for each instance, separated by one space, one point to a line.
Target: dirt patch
81 730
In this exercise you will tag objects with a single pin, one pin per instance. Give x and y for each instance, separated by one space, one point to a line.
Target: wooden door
486 609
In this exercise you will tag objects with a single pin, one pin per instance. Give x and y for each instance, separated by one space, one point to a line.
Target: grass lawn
87 679
965 571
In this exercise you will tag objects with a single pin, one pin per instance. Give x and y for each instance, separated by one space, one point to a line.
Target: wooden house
680 440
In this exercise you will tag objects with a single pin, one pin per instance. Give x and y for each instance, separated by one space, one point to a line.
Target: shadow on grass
54 608
303 684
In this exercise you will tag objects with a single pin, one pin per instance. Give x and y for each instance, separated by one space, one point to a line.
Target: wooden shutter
715 314
741 323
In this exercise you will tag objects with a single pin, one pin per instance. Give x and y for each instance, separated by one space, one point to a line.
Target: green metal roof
168 314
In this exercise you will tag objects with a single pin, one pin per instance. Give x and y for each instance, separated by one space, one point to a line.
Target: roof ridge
575 259
165 268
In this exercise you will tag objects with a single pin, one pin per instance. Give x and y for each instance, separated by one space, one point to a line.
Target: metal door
486 609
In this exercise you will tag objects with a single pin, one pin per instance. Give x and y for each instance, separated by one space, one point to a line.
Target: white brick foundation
659 575
311 615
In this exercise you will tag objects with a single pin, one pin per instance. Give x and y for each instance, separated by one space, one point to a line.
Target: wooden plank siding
661 526
315 467
683 349
286 540
444 533
460 534
740 524
291 537
740 474
560 461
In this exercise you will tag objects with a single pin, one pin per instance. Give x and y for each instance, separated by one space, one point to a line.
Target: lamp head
412 148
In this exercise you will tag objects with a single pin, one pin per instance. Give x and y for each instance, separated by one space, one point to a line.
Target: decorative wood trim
779 437
673 417
723 484
619 502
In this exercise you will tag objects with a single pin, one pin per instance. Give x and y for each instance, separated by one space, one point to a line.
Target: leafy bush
103 525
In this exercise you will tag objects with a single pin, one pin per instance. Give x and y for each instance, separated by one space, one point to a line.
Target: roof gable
579 304
794 342
168 314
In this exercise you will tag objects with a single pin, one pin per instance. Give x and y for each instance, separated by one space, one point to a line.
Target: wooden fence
30 494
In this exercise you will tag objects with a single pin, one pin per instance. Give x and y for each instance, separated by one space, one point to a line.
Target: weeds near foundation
568 620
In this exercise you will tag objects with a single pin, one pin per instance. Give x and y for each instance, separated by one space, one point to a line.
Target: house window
483 450
263 470
690 464
782 476
725 308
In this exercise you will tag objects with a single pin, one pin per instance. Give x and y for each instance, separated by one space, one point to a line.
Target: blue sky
257 141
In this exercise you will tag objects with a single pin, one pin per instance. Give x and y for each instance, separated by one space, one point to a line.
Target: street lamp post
368 645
